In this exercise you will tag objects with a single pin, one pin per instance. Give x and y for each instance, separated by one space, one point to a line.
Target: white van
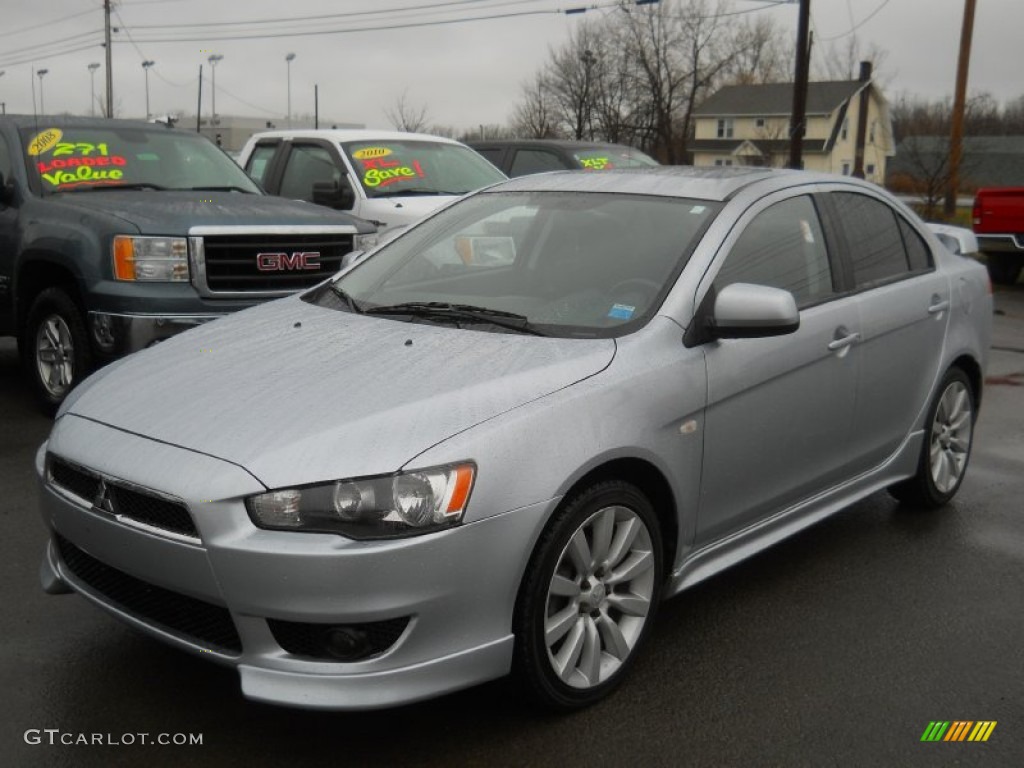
390 178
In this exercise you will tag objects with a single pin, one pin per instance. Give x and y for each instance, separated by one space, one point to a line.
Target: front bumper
119 334
456 589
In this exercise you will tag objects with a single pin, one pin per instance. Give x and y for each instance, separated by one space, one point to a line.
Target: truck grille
198 621
232 262
135 504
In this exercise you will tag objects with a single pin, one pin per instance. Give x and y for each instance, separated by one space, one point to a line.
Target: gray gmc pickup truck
115 235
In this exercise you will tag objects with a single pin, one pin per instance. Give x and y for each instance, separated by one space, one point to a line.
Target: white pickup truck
390 178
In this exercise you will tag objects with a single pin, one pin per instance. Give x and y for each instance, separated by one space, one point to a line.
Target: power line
321 17
858 25
36 56
387 27
46 23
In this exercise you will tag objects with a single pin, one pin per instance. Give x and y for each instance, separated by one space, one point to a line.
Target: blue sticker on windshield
621 311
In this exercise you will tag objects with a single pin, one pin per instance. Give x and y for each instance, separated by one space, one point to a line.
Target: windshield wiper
468 312
224 189
340 293
98 187
416 191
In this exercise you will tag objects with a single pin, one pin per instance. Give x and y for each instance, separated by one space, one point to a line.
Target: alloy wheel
951 436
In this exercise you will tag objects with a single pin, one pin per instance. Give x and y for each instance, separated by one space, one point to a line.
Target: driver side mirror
746 311
334 194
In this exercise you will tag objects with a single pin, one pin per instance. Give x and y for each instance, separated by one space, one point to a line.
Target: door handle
844 341
938 305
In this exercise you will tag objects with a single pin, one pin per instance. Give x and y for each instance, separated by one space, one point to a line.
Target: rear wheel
589 596
947 445
55 347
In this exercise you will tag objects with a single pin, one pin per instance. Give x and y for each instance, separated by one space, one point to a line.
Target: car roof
351 134
42 122
717 183
557 143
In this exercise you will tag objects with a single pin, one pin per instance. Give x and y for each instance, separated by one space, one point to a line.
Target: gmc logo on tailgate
287 262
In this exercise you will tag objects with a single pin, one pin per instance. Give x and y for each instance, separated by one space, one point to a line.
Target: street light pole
41 72
3 104
92 87
145 68
213 59
288 60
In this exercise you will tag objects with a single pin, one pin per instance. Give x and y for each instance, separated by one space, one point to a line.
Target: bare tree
571 79
761 54
405 116
533 117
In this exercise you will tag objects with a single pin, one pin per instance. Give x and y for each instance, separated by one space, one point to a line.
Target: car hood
297 393
157 212
398 211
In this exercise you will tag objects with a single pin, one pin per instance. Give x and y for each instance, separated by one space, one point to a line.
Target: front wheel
55 347
589 596
947 445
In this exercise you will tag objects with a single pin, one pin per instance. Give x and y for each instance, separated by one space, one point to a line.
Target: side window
873 236
783 247
6 168
918 253
535 161
259 161
493 155
306 166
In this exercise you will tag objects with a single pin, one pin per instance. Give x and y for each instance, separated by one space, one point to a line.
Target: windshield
563 264
390 168
91 157
606 158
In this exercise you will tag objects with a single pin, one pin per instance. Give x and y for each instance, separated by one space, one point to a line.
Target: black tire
1003 268
55 348
946 450
605 624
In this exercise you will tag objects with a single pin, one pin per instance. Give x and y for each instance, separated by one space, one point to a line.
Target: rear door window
259 161
872 233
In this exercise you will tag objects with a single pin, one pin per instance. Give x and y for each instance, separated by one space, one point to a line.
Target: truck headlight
404 504
156 259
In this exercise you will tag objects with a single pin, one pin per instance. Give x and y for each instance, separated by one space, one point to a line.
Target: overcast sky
465 74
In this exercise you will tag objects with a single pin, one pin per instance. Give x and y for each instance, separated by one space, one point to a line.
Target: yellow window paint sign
595 163
44 141
370 153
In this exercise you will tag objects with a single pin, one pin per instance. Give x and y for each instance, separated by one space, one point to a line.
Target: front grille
84 485
231 261
131 503
198 621
313 641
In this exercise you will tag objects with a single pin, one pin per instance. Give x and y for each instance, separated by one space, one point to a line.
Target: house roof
988 161
776 99
765 146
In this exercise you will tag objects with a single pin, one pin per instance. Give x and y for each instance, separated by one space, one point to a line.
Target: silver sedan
497 442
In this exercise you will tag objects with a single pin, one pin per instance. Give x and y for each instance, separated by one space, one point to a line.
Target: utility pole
797 120
956 135
92 87
110 74
145 68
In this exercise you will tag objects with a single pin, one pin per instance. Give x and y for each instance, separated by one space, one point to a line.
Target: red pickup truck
999 227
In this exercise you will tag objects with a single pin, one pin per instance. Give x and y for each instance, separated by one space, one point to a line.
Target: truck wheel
55 347
1004 268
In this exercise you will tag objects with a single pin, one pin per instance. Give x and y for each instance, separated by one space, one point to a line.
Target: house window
844 132
871 134
759 122
846 169
725 129
869 170
720 162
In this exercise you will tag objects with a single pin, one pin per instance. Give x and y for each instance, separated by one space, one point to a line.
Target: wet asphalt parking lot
836 648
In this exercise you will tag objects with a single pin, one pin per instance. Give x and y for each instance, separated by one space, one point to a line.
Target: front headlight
157 259
404 504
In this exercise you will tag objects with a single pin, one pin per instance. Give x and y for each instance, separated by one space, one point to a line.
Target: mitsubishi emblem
102 501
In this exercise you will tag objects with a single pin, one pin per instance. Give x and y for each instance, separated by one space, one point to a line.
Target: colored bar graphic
958 730
935 730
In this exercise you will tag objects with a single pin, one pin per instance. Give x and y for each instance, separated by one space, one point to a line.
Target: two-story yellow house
749 125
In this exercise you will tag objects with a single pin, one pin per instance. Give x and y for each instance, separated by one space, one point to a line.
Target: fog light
347 643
